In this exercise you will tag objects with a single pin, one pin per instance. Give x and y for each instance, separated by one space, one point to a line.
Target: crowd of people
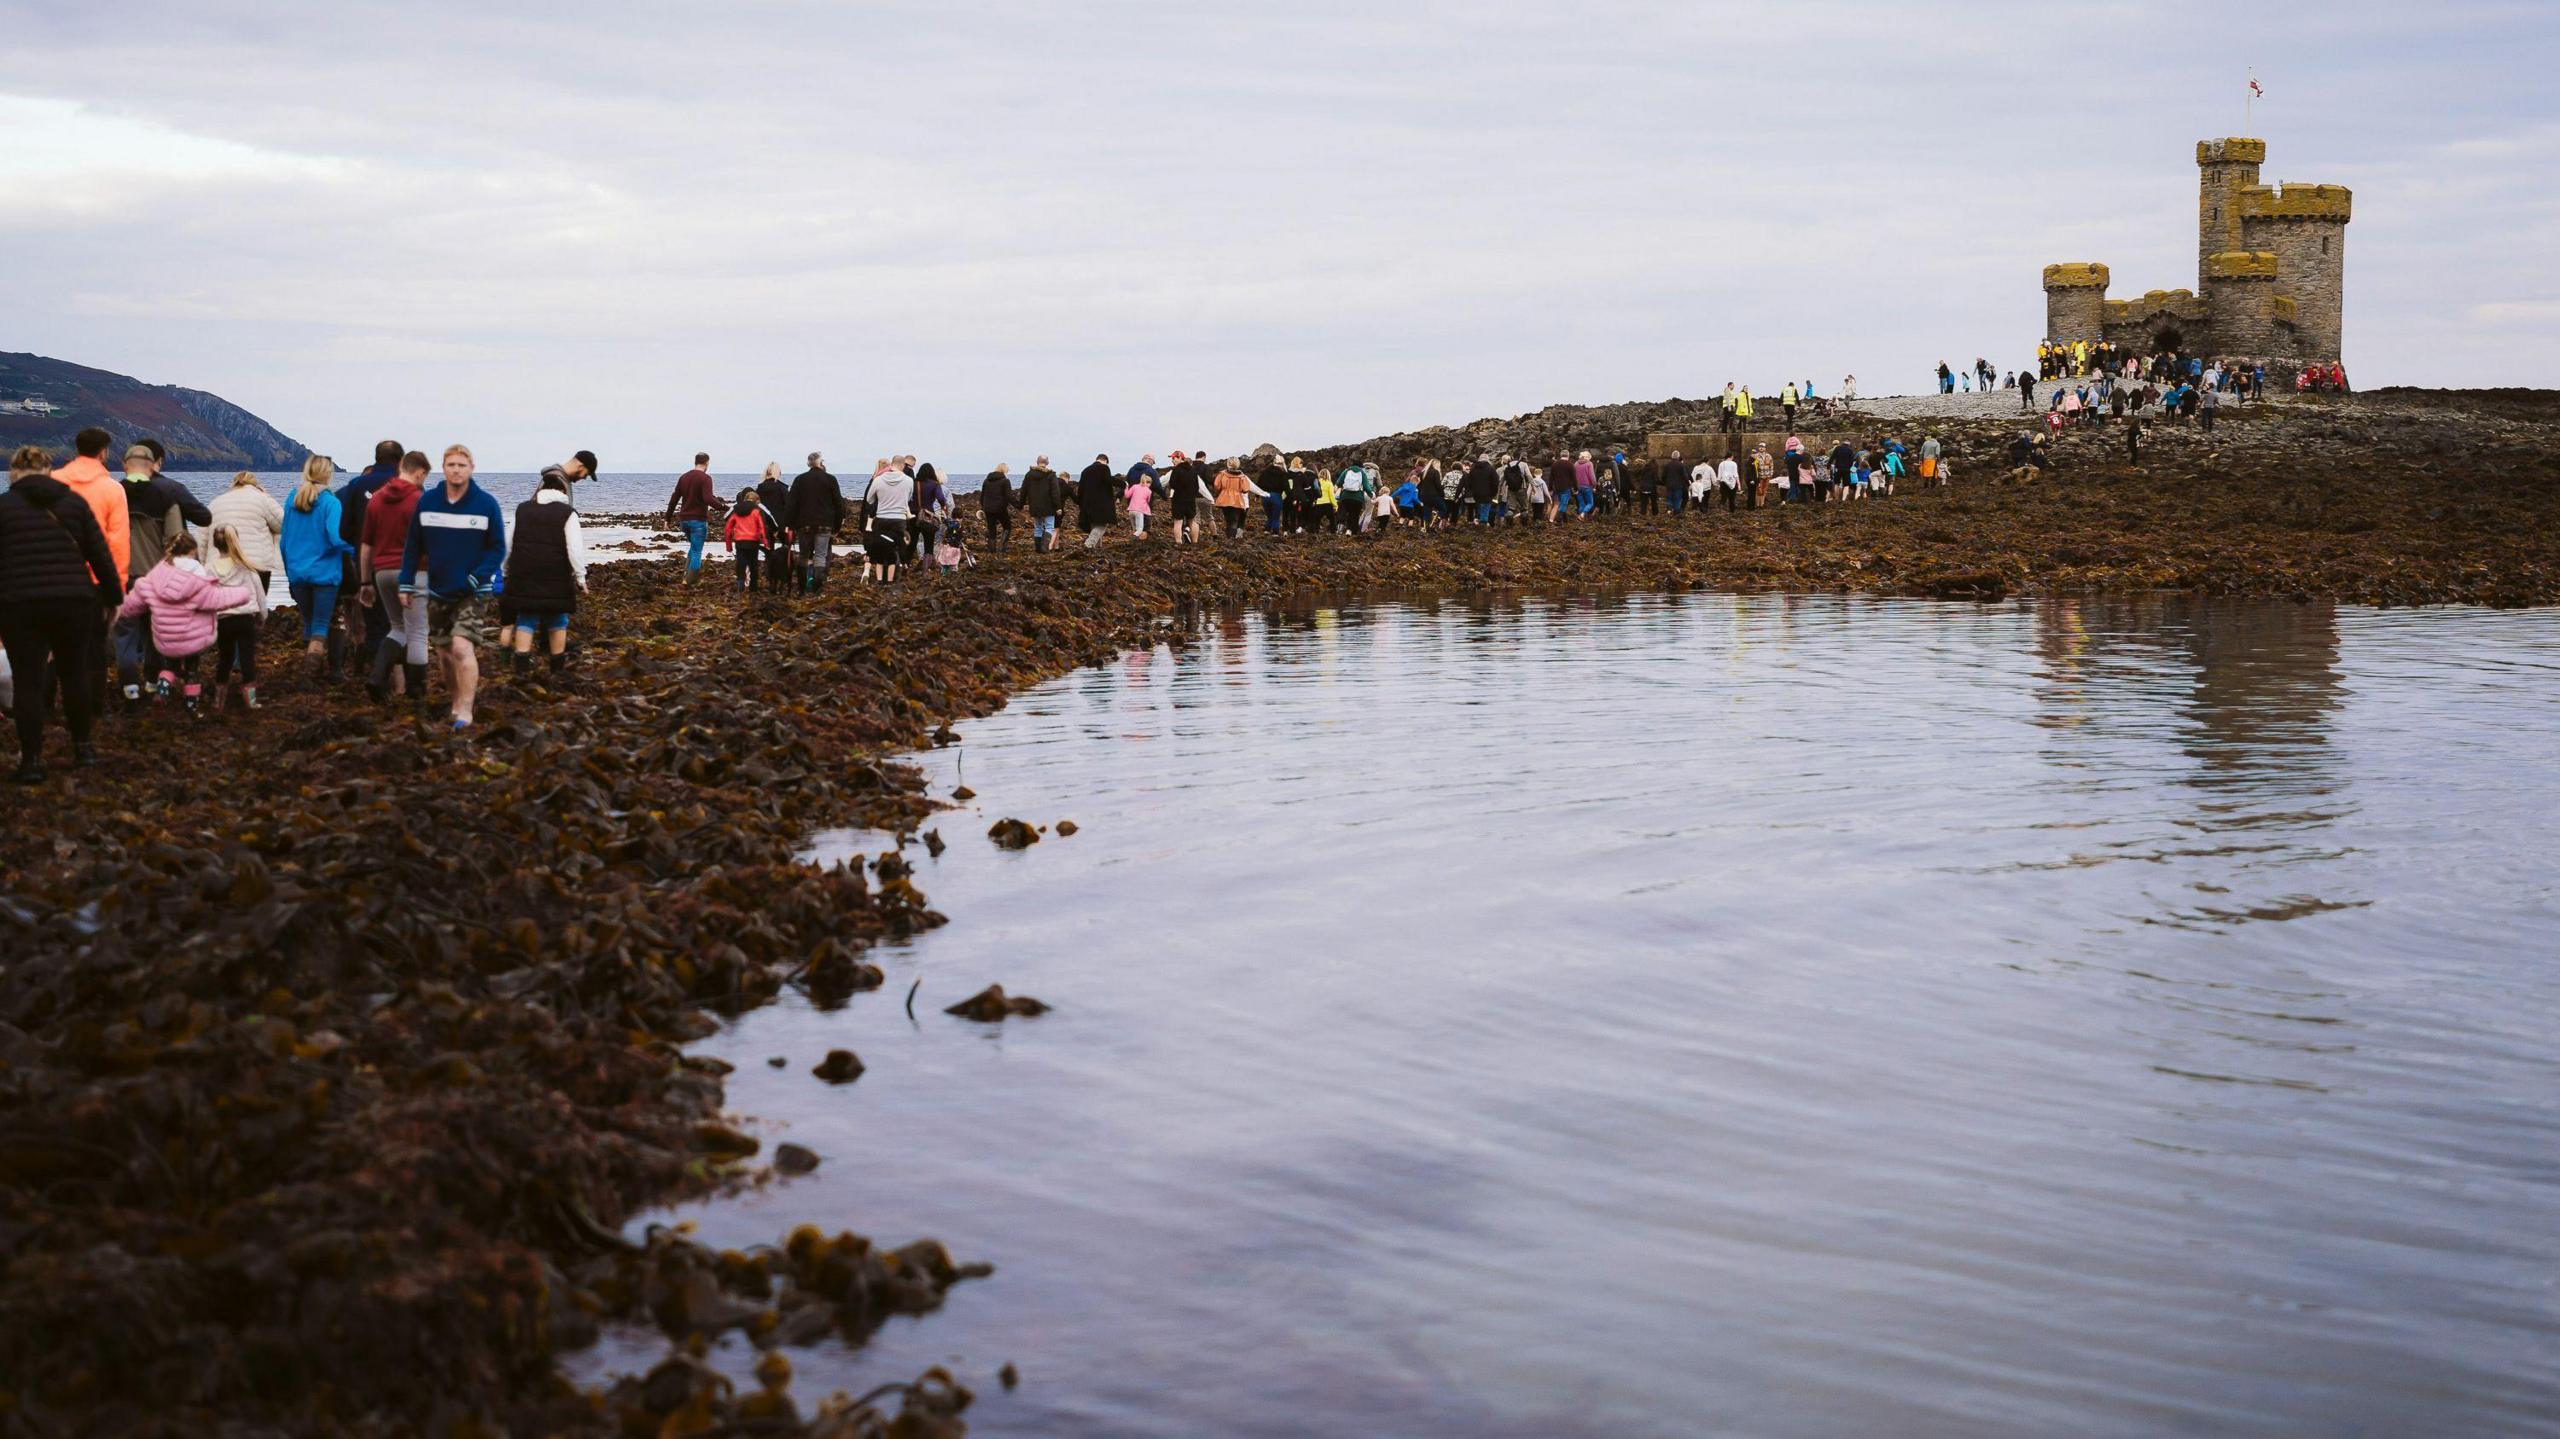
406 582
401 578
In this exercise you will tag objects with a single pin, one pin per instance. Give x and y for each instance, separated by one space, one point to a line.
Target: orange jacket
104 494
745 525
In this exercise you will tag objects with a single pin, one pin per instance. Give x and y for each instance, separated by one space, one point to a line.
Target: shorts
542 622
462 618
893 532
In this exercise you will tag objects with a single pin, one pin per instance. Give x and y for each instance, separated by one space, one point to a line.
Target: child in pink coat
182 601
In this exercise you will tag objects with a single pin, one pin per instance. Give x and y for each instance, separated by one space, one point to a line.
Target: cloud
972 229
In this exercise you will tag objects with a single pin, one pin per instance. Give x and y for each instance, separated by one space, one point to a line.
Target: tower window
2324 244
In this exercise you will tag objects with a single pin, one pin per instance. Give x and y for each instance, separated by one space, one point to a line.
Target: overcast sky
973 229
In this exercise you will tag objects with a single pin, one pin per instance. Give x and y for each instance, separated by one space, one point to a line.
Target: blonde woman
315 554
256 519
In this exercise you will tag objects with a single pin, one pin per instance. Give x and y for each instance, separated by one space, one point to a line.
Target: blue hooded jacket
461 542
314 551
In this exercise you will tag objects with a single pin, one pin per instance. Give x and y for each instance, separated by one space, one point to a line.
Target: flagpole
2248 100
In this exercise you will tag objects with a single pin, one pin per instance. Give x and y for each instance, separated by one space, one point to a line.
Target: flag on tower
2253 87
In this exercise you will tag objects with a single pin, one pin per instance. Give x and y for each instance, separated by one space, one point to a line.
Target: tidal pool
1751 1016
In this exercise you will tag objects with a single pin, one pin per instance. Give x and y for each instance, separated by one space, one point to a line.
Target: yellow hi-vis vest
1742 402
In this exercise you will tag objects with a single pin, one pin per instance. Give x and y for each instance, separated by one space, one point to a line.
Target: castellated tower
2270 272
2224 168
2305 228
2075 302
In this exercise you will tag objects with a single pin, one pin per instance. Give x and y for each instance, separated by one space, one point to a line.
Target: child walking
1141 497
182 601
951 546
235 630
747 533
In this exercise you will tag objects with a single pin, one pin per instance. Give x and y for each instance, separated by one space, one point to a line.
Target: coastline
366 1057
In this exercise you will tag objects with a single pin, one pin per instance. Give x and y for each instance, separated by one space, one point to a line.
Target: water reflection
1779 1015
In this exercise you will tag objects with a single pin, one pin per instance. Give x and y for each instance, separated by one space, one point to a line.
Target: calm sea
1763 1016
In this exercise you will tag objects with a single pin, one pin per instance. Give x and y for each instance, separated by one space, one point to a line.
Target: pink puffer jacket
182 603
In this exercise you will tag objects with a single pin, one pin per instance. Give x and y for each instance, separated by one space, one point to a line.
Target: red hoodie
386 520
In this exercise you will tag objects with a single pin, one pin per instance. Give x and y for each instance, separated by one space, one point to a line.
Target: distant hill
203 432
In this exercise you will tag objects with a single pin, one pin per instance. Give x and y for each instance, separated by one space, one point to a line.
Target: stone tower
2305 228
2075 302
2270 272
2224 168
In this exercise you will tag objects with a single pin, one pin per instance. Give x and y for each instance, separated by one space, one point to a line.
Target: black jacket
1041 492
351 501
995 495
540 579
817 502
1094 498
775 496
1482 485
51 547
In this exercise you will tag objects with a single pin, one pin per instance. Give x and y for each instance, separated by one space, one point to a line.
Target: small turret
2075 302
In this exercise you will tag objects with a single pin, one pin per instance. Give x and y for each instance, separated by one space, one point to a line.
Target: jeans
815 545
317 603
131 638
695 531
1484 512
1584 500
1044 531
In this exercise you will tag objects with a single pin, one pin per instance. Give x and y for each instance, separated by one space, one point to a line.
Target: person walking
995 501
1729 480
690 507
925 515
367 623
1182 498
817 512
1094 490
1788 398
546 570
256 518
236 629
315 554
888 504
157 510
181 599
457 541
1043 496
1232 491
773 493
746 532
387 515
57 577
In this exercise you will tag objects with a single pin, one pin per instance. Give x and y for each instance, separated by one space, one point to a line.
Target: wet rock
1008 1376
963 795
933 844
794 1159
992 1005
777 1061
840 1066
1066 827
1013 834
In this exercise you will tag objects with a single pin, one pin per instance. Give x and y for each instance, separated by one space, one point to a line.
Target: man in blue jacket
459 536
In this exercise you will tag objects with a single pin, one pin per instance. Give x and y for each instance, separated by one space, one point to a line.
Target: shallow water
1773 1016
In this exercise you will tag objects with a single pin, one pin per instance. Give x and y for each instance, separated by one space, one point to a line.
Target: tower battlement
2270 271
